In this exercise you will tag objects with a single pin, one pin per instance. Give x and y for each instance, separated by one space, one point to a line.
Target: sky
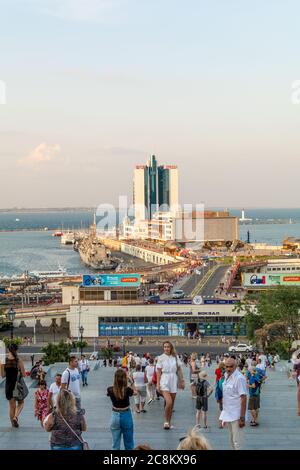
91 88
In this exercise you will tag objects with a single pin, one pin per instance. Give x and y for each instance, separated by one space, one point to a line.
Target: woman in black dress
10 371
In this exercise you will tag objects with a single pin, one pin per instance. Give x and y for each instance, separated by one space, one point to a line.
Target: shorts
202 403
254 403
141 395
168 382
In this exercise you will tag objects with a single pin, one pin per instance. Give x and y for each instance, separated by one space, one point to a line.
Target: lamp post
34 329
11 316
289 331
81 330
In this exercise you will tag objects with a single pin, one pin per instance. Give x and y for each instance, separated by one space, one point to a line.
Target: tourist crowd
237 387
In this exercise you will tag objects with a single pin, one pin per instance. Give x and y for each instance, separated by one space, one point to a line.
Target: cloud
80 10
42 153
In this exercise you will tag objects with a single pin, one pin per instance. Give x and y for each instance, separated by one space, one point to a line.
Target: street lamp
289 331
11 316
81 330
123 345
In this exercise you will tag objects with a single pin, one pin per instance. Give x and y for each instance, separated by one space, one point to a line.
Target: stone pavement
278 429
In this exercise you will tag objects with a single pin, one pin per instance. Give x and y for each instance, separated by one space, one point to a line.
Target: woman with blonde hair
121 421
194 370
66 423
169 379
194 441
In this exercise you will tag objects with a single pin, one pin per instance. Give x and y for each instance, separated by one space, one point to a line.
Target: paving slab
279 423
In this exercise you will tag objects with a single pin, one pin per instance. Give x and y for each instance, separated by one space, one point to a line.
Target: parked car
152 299
241 347
178 294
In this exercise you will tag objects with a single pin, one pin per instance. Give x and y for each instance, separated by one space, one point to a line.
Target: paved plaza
278 429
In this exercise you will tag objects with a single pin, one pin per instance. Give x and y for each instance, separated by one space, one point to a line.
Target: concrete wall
70 295
147 255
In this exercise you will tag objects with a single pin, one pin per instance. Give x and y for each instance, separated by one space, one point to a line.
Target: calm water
20 251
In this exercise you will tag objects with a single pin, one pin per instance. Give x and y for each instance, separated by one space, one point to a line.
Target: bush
16 340
56 353
280 347
80 344
107 353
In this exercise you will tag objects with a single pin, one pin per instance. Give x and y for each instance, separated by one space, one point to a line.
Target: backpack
200 388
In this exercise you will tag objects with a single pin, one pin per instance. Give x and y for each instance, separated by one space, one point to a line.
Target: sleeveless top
61 435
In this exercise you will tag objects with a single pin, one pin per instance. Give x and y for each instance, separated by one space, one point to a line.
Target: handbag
181 382
85 445
154 378
20 391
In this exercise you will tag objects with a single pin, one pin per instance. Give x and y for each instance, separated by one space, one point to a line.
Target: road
194 279
209 289
152 349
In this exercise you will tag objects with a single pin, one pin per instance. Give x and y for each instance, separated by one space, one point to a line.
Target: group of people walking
237 389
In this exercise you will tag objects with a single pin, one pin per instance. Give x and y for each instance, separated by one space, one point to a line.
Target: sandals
253 424
168 426
15 422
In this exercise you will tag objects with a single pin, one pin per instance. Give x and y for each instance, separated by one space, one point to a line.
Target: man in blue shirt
254 383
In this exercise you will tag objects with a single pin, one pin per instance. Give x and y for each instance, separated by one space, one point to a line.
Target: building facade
154 187
154 320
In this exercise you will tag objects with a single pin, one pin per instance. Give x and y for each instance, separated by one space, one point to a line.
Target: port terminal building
106 311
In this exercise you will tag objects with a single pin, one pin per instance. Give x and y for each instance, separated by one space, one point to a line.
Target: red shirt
218 373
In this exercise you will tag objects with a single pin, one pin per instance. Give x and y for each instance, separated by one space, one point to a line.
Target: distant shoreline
50 209
94 209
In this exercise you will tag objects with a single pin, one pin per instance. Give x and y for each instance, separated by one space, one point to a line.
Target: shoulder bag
181 383
85 445
20 391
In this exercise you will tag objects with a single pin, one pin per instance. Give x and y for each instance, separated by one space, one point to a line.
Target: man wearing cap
234 402
203 391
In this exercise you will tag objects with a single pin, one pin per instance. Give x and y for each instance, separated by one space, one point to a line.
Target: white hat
203 374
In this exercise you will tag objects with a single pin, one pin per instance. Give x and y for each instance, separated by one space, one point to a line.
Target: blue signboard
220 302
111 280
174 302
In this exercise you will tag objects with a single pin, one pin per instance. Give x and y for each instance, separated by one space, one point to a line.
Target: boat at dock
60 272
57 233
68 238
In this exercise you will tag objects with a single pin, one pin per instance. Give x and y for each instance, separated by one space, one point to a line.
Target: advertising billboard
268 280
111 280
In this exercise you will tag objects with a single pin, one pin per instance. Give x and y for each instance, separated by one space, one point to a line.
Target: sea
26 241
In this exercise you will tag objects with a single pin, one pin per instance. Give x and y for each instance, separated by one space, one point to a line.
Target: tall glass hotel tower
154 188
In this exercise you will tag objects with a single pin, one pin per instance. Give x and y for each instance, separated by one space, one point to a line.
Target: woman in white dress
169 379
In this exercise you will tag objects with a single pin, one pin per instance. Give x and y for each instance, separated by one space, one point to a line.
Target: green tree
281 304
80 344
251 318
16 340
107 353
56 353
4 322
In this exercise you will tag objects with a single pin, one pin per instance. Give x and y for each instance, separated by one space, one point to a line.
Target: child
203 391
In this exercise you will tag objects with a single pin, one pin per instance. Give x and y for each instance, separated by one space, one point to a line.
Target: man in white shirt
84 367
70 380
234 402
53 392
